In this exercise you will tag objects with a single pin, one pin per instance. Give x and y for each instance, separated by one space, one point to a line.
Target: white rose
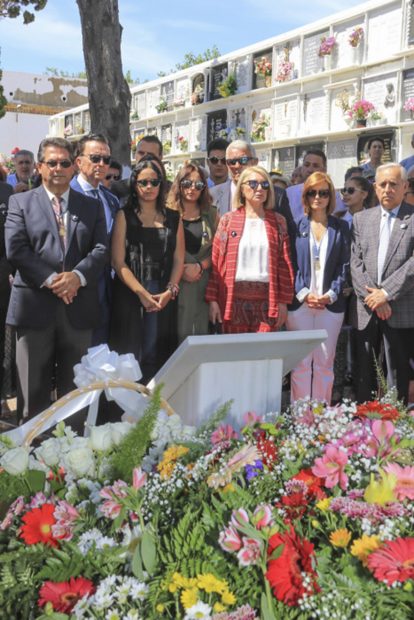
15 461
81 462
49 452
119 430
100 437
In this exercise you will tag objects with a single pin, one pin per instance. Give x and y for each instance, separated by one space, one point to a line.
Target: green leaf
148 552
137 564
266 613
35 480
277 552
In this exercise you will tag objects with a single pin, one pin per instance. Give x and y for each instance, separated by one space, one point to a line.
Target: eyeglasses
350 190
96 159
217 160
243 161
187 184
146 182
253 184
54 163
110 177
321 193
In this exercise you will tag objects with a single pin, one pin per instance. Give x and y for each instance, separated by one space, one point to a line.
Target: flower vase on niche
361 122
268 81
260 80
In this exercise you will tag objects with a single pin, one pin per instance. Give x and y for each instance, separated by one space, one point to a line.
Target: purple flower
253 470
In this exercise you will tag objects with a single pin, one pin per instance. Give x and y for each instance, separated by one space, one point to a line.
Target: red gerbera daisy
285 573
38 526
65 594
313 483
394 561
375 409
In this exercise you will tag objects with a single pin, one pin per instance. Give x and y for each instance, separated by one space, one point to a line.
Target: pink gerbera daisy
405 480
394 561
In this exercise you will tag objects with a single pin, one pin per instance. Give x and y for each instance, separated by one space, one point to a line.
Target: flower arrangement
409 105
197 95
263 66
356 36
179 103
182 144
284 71
68 130
134 116
162 106
303 514
258 132
326 46
228 86
360 110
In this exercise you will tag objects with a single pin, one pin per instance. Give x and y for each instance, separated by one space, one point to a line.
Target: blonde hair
315 179
239 199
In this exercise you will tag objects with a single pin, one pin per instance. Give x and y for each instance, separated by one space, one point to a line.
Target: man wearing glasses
22 180
56 239
239 156
93 159
216 157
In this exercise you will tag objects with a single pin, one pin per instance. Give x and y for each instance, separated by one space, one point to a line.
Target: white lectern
206 371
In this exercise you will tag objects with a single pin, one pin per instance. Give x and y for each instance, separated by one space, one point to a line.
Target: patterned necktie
384 241
57 208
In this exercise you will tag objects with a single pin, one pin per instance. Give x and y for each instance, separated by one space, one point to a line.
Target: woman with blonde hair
321 249
189 196
251 281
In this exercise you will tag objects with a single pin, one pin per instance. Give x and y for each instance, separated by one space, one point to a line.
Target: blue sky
156 34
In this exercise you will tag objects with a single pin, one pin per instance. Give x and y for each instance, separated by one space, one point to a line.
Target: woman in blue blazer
321 251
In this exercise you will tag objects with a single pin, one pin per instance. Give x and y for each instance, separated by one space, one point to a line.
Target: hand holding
375 298
214 314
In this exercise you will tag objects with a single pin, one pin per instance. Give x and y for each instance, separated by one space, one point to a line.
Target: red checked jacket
224 262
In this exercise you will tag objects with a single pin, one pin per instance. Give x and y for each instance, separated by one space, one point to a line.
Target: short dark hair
318 153
59 143
352 170
155 140
90 137
218 144
25 153
375 139
115 164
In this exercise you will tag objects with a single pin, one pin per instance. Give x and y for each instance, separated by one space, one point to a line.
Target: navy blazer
111 199
337 260
34 249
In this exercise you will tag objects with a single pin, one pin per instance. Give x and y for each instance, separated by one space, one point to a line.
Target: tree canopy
15 8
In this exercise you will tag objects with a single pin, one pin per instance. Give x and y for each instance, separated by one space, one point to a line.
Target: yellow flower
228 598
189 597
172 454
218 607
381 491
324 504
229 488
341 537
210 583
362 547
160 608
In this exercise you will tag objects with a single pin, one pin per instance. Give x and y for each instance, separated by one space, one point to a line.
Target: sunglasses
187 184
217 160
350 190
253 184
96 159
114 177
146 182
54 163
321 193
243 161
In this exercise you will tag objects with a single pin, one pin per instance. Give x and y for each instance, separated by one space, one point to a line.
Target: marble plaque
141 106
182 89
285 118
338 98
284 159
181 133
218 74
407 91
242 68
166 133
341 155
314 113
312 63
196 127
382 92
216 125
346 54
153 100
384 32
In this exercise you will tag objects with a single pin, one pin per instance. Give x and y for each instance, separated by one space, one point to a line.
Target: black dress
150 336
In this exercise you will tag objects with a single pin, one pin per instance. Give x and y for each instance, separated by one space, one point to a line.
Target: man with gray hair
22 180
382 267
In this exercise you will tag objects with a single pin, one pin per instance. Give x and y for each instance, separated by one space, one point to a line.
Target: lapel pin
304 234
75 218
403 226
233 233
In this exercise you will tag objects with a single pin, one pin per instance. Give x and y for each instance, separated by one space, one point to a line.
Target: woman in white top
321 250
251 281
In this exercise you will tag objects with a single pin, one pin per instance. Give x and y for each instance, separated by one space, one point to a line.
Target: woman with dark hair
148 258
189 196
251 280
357 195
375 148
322 250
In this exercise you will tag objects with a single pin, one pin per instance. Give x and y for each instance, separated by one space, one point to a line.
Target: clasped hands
317 302
65 285
376 300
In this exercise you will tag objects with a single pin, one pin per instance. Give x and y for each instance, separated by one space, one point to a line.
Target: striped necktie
57 209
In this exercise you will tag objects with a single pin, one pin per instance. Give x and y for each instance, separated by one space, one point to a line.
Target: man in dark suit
93 159
382 267
6 191
56 240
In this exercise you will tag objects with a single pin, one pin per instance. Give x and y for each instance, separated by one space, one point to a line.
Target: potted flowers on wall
228 86
285 68
182 144
263 70
162 106
197 95
327 46
360 111
166 147
409 107
258 132
356 36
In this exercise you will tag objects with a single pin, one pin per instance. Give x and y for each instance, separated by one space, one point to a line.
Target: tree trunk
108 91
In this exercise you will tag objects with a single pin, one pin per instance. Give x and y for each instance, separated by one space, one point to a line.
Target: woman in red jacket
252 278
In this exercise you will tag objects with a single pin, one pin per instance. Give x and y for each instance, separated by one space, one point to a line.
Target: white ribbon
100 364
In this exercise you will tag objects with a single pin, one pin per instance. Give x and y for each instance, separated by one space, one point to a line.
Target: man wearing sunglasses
22 180
93 160
56 240
239 156
216 158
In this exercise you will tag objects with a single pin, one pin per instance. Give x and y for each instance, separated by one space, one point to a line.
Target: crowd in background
91 254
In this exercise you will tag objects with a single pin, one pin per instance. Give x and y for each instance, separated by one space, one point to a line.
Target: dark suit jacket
33 248
6 191
112 200
336 265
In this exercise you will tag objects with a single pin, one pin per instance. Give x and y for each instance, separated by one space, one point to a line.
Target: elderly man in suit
93 160
382 267
56 239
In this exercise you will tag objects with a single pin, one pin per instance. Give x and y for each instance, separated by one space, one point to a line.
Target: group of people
140 263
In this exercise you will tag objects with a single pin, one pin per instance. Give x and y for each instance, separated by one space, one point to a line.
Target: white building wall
22 130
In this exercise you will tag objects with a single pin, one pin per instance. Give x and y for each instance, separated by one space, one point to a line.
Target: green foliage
228 86
13 8
11 486
3 100
135 444
53 71
214 421
190 59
